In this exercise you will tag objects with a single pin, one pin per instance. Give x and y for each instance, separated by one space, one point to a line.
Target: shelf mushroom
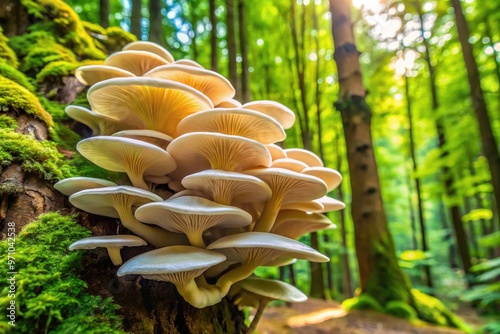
99 124
308 157
120 202
92 74
331 177
276 110
149 136
149 47
231 103
258 292
276 152
73 185
188 62
294 223
136 62
113 243
179 265
290 164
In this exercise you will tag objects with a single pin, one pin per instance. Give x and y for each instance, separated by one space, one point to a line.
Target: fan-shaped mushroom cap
330 204
239 122
231 103
92 74
113 243
331 177
147 102
99 124
254 249
134 61
228 187
276 110
73 185
308 157
212 84
149 47
290 164
188 62
199 151
272 289
135 157
192 216
179 265
120 202
149 136
293 223
287 187
308 206
280 261
276 152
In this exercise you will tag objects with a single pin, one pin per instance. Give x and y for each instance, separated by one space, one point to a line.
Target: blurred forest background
434 93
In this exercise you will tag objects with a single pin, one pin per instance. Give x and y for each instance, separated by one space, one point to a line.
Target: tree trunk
135 18
488 140
231 47
155 22
104 13
213 37
245 74
380 275
13 18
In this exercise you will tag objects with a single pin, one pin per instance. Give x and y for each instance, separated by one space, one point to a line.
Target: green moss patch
23 44
7 122
41 56
401 310
50 295
11 73
6 53
56 69
362 302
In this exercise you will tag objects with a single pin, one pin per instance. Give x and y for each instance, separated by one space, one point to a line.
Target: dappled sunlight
315 317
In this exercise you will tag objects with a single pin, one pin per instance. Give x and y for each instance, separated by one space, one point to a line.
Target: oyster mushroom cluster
208 187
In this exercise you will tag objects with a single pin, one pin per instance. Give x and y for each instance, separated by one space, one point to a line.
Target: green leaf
478 214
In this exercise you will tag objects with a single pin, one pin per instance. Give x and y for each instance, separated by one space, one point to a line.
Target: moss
37 157
6 53
56 69
362 302
117 38
63 136
50 296
10 188
9 72
59 19
401 310
7 122
40 56
15 97
432 310
23 44
93 28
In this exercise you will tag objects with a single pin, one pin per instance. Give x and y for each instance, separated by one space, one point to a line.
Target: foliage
50 296
19 99
59 68
362 302
7 122
6 53
400 310
11 73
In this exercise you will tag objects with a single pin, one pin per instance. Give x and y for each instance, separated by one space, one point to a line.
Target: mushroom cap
99 124
293 186
294 223
147 102
92 74
188 62
276 152
261 247
236 121
135 157
106 201
212 84
276 110
108 241
149 136
149 47
199 151
280 262
272 289
240 188
73 185
308 206
331 177
191 213
135 61
231 103
308 157
290 164
330 204
171 261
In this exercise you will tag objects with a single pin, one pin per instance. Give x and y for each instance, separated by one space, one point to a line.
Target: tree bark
231 48
245 74
380 275
213 37
155 22
488 140
135 18
104 13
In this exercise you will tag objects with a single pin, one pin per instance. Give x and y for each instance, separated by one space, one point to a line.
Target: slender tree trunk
380 275
231 47
488 140
413 223
494 56
213 37
155 22
104 13
245 75
135 18
420 205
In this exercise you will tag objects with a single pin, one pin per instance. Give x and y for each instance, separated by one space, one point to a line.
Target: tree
231 47
156 22
135 18
214 59
104 13
245 80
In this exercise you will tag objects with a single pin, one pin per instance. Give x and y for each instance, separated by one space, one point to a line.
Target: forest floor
327 317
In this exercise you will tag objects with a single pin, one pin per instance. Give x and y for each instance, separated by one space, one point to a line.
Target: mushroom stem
268 217
225 281
199 297
138 181
196 239
114 255
257 317
212 292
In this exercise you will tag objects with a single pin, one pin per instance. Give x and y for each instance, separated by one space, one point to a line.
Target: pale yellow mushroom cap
134 61
149 47
92 74
308 157
276 110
